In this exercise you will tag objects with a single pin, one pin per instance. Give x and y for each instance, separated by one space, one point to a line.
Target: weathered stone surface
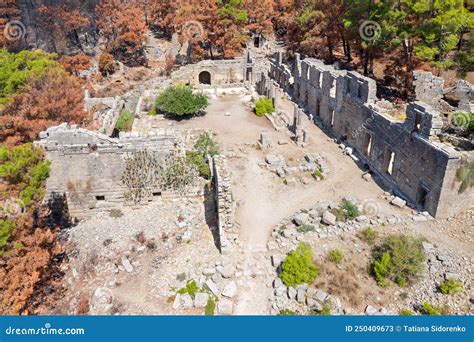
228 271
200 301
301 296
230 290
127 265
212 287
398 202
328 218
225 307
292 293
277 283
301 218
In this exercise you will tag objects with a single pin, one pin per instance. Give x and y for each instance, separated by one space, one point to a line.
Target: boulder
212 287
291 293
201 299
230 290
228 271
370 310
398 202
277 283
127 265
185 301
301 296
329 218
320 296
301 218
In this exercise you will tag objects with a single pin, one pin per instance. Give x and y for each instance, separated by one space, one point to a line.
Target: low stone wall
227 230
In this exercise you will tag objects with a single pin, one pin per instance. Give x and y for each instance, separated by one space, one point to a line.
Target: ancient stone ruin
405 156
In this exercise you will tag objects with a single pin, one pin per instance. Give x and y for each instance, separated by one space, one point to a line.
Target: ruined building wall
222 72
402 154
87 166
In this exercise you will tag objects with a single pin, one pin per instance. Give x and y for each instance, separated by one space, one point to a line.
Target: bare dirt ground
263 200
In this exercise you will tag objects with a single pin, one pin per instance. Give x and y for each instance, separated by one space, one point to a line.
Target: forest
43 56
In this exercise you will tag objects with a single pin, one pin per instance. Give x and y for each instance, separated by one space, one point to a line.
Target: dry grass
343 282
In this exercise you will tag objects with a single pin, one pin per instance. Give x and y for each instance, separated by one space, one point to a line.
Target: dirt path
262 198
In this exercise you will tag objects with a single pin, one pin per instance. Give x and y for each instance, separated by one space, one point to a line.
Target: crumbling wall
106 111
87 166
227 230
402 154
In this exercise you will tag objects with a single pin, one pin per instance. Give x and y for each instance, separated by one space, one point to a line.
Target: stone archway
205 77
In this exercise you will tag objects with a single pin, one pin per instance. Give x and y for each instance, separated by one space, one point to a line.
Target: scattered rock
292 293
301 296
200 301
230 290
301 218
398 202
228 271
277 283
127 265
212 287
329 218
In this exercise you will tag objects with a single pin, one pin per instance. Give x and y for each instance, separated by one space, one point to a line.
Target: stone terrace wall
227 230
402 154
87 166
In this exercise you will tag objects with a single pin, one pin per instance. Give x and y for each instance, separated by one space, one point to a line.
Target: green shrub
124 122
450 286
305 228
406 312
350 210
399 258
431 310
191 289
205 145
7 228
336 256
318 174
198 160
263 106
465 175
369 235
381 269
210 307
299 267
24 166
152 111
17 69
286 312
181 101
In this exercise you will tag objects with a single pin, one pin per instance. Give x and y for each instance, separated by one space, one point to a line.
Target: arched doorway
204 77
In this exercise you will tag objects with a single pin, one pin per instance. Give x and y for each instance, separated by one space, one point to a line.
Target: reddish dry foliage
76 63
53 98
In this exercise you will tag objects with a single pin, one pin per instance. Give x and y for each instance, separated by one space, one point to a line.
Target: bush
350 210
381 269
24 166
200 162
17 69
336 256
318 174
369 235
191 289
263 106
305 228
106 64
210 307
450 286
124 122
205 145
181 101
431 310
286 312
299 267
400 258
406 312
7 228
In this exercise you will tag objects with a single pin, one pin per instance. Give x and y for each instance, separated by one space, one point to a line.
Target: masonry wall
87 166
222 72
402 154
225 204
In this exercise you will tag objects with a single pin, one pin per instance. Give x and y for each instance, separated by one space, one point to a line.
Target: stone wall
106 111
223 73
87 166
404 155
227 230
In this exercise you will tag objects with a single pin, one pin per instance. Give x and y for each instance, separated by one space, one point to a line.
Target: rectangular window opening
100 198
